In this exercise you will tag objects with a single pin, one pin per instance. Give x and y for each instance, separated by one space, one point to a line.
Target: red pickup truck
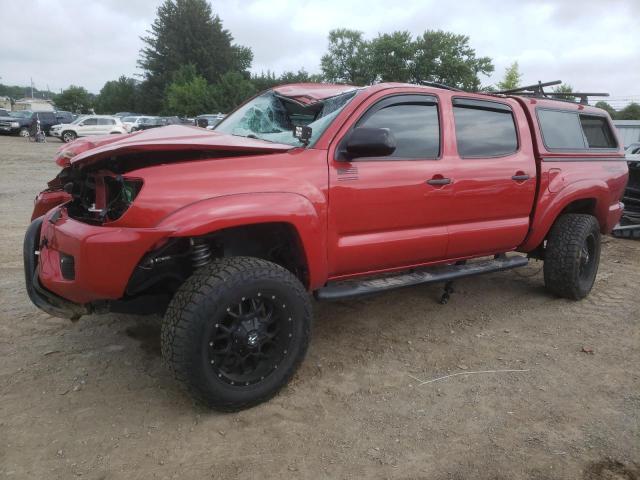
325 189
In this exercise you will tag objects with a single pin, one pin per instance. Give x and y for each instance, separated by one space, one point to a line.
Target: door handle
439 181
520 177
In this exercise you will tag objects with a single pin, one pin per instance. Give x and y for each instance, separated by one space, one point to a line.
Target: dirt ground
92 399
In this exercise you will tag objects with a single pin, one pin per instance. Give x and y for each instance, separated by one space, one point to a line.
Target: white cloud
590 44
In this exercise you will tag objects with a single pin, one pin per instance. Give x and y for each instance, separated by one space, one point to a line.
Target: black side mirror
370 142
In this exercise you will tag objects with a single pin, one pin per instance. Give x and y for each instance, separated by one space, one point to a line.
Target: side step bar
352 288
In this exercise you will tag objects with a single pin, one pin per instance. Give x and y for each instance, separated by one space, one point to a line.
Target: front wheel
236 331
572 255
68 136
24 132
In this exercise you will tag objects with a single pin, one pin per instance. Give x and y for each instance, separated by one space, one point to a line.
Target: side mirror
370 142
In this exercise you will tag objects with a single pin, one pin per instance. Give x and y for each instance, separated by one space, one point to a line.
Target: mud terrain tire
572 256
236 331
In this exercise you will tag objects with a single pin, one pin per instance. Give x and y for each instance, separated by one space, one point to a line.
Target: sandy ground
93 400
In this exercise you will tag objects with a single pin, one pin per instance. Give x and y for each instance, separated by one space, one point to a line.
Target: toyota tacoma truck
315 189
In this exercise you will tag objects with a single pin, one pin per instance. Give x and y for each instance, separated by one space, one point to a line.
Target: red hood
308 93
170 138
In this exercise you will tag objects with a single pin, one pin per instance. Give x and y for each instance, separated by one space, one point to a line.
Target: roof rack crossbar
535 88
440 85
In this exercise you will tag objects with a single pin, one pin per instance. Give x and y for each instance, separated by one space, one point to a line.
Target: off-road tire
566 273
202 301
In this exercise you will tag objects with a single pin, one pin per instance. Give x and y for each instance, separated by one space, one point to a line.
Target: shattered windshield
273 118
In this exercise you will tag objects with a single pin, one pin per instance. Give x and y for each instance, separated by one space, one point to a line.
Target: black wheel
68 136
236 331
572 256
24 132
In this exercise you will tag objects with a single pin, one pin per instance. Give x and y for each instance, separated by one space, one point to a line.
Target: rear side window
597 132
106 121
414 123
90 121
484 129
573 131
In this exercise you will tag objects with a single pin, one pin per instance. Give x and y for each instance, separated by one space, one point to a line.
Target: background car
129 122
19 122
65 117
86 126
209 120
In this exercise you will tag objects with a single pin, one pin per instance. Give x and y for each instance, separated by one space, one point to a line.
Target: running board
352 288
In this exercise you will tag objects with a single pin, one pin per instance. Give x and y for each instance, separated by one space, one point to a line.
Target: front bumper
103 260
55 133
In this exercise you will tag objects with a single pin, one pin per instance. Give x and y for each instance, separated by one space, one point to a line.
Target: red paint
352 218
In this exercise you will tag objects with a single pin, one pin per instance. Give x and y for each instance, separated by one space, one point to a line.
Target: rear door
87 127
495 177
382 212
105 125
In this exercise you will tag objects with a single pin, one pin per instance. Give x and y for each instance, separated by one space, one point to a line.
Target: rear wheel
236 331
572 256
68 136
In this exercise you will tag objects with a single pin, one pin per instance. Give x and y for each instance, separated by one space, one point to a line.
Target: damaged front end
629 226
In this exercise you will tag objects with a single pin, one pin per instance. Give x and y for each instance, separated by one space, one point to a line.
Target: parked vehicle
208 120
145 123
65 117
131 123
126 114
325 189
4 113
629 226
20 121
87 125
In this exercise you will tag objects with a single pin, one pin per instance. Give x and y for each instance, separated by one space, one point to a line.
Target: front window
273 118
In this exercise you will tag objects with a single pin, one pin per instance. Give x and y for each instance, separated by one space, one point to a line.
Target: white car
134 126
128 122
86 126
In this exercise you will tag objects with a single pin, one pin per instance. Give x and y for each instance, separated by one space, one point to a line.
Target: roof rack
537 90
440 85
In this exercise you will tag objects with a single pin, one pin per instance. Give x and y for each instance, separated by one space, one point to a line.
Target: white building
34 104
628 131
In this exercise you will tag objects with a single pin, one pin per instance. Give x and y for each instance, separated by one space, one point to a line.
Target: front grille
5 124
67 266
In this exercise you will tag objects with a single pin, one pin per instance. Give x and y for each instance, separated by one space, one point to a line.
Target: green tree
187 32
346 60
189 94
512 77
74 99
609 109
231 91
565 89
118 96
444 57
392 56
630 112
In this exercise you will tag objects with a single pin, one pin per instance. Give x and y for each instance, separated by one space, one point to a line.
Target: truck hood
89 150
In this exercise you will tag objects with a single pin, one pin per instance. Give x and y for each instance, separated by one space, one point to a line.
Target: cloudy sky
590 44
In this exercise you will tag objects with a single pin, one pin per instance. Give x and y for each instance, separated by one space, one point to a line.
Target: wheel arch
586 197
235 219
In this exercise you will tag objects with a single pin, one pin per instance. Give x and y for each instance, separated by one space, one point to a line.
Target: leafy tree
609 109
269 79
118 96
566 89
444 57
346 60
512 78
392 56
75 99
231 91
630 112
189 94
187 32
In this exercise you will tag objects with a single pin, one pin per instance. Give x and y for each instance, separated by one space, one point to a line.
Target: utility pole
31 87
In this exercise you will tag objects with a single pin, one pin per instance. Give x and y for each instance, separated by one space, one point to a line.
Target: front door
391 212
